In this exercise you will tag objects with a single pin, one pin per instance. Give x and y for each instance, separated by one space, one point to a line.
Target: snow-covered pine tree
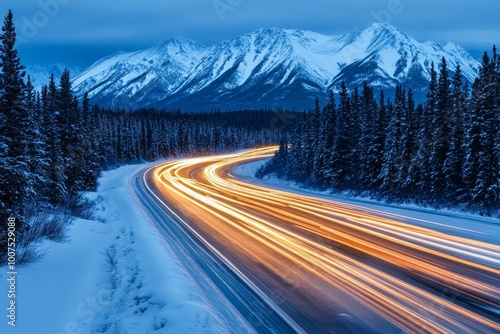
330 132
56 189
389 175
377 147
354 140
367 158
343 145
412 182
315 130
37 148
89 160
440 136
481 169
453 165
16 189
401 132
421 162
409 145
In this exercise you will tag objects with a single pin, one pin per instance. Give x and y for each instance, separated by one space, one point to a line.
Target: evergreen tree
56 189
409 145
88 160
15 185
316 149
343 145
368 128
330 133
455 157
354 133
413 181
37 150
481 170
440 136
377 146
389 176
420 166
71 137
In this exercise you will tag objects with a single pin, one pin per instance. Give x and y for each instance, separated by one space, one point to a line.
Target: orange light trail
338 243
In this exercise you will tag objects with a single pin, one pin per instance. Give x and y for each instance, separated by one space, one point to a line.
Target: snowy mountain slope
266 68
137 78
385 56
40 75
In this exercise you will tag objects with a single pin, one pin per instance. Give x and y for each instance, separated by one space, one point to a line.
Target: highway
295 263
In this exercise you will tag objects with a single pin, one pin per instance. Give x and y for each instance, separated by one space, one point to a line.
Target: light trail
375 260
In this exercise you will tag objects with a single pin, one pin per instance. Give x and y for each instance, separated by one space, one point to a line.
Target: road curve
323 266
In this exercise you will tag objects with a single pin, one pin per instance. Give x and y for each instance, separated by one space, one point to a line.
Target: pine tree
420 165
390 176
440 136
481 169
315 138
16 189
409 144
367 155
36 150
89 160
71 137
342 146
377 146
330 133
455 157
354 119
412 183
496 121
56 188
402 132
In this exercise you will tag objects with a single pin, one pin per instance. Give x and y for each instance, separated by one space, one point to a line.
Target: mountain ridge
266 68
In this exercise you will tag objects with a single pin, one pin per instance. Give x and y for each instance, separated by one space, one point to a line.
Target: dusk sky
78 32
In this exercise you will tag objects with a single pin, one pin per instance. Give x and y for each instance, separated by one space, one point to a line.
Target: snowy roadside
115 275
455 223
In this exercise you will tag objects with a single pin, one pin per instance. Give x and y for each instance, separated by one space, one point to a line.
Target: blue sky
78 32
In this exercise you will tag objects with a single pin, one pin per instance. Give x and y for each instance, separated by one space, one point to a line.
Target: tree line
53 147
444 152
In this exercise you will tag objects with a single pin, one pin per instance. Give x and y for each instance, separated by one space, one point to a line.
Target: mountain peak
383 31
269 31
383 26
178 44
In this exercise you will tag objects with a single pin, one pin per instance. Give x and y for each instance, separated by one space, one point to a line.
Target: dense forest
54 147
443 153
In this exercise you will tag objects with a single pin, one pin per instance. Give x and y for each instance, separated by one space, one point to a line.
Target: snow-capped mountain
267 68
140 78
40 75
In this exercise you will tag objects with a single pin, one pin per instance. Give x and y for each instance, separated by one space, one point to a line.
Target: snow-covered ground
114 275
455 223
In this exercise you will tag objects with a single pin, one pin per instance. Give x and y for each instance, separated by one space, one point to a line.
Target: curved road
320 266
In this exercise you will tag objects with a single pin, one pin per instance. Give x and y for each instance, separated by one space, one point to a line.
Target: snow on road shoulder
115 275
451 222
